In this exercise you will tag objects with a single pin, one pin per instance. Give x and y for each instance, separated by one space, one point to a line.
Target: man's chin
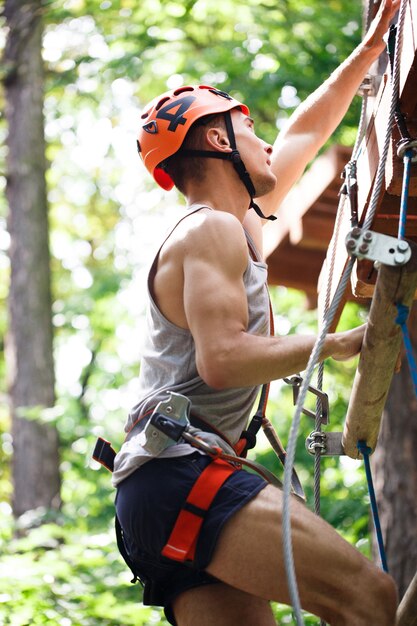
266 186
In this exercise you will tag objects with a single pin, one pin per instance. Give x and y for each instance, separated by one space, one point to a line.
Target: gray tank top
168 364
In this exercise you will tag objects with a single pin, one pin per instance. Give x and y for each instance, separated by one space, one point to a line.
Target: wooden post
407 611
379 355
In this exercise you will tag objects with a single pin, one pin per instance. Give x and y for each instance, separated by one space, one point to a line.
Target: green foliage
103 61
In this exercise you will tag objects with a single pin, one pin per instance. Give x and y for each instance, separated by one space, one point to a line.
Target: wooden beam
407 611
395 165
379 355
408 73
313 231
295 267
408 101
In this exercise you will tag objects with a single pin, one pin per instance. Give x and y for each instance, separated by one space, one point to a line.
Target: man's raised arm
315 119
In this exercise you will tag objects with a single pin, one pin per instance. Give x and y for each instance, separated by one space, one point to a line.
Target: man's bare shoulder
216 237
212 233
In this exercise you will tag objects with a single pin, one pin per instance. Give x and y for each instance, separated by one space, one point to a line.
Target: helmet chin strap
235 158
241 169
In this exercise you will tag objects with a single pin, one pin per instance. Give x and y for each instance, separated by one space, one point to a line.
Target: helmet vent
161 102
182 89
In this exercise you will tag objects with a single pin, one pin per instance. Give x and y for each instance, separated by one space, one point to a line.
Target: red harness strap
182 542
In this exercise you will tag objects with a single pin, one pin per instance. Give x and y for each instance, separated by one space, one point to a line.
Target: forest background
102 62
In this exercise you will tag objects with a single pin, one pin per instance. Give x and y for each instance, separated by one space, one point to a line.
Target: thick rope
408 156
365 451
403 311
318 347
286 516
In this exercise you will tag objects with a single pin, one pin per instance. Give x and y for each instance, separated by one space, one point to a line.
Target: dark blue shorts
148 503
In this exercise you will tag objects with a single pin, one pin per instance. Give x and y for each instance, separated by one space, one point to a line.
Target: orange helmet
168 118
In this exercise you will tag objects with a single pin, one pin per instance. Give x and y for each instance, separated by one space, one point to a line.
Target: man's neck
233 199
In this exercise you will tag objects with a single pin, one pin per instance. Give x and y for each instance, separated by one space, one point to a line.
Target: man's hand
379 26
349 343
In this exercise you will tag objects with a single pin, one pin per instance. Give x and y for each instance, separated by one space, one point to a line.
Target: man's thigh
333 577
221 605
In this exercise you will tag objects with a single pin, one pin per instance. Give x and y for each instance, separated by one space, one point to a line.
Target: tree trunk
395 466
29 342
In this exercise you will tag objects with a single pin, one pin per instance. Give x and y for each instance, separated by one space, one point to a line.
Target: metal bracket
295 382
329 444
377 247
406 145
368 86
176 407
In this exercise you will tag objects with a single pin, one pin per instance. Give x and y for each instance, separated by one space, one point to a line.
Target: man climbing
209 341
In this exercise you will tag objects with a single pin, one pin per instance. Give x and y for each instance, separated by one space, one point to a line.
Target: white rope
317 349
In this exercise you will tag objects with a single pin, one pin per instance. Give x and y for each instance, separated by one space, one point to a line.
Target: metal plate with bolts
377 247
330 444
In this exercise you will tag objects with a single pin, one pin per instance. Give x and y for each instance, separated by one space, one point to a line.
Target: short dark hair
182 168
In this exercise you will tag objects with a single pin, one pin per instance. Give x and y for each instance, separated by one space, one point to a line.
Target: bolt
367 236
355 232
402 246
399 258
168 409
363 248
351 244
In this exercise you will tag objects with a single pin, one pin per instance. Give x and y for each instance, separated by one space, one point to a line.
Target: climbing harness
168 425
329 315
171 422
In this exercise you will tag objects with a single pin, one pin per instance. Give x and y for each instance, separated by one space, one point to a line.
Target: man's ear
217 139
